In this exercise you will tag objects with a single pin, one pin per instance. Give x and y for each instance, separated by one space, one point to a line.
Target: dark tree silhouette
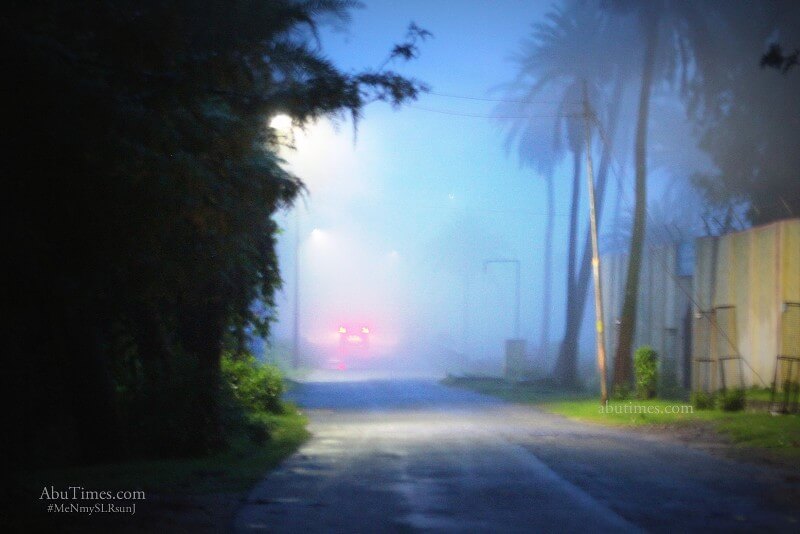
143 178
775 58
574 45
672 43
623 372
748 117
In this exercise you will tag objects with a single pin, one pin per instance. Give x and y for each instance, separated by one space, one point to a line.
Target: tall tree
566 368
144 182
572 46
623 372
671 37
748 115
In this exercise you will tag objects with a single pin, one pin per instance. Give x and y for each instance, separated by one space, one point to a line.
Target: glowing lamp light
282 123
364 330
342 330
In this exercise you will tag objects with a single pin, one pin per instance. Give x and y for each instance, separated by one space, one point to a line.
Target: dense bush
159 410
703 401
621 393
732 400
143 179
254 386
250 397
645 363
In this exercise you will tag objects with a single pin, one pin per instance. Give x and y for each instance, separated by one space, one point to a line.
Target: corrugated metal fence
730 321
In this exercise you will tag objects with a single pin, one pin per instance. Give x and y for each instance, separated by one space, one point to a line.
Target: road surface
410 455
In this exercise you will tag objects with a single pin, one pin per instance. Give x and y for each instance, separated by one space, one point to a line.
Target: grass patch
624 413
779 435
233 470
759 394
534 392
761 430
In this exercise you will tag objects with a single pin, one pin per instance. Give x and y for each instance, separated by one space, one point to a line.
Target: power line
617 174
480 116
503 100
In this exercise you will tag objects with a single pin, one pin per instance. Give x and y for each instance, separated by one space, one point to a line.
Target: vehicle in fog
350 344
353 347
353 341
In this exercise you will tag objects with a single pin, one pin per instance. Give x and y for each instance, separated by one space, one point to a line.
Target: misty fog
402 212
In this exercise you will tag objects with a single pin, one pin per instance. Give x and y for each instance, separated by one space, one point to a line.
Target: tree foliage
748 115
144 181
577 43
645 365
775 58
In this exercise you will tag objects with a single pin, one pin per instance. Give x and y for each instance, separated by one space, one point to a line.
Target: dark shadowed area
372 265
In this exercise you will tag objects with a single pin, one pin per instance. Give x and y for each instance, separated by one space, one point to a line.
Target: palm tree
680 26
570 47
676 216
622 359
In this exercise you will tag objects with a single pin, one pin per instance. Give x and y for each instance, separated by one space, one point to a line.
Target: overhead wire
482 116
616 169
503 100
500 100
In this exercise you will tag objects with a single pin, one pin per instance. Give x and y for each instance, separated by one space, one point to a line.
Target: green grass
760 430
759 394
521 393
234 470
624 413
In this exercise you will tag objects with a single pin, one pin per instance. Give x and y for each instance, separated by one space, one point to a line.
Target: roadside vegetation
145 234
776 437
262 430
239 467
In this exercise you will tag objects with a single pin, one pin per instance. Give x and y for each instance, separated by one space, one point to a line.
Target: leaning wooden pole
598 293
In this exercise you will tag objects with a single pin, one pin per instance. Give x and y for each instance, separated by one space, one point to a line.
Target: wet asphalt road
409 455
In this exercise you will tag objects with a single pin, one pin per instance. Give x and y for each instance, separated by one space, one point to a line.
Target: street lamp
282 123
296 316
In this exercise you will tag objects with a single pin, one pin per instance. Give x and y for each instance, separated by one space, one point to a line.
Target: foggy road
411 454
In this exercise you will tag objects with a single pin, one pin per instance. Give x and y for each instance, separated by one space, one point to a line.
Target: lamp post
296 317
486 264
282 124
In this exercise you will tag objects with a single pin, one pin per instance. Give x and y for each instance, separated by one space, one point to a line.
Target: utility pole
598 293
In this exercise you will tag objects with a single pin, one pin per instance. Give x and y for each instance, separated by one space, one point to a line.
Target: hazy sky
417 180
406 216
